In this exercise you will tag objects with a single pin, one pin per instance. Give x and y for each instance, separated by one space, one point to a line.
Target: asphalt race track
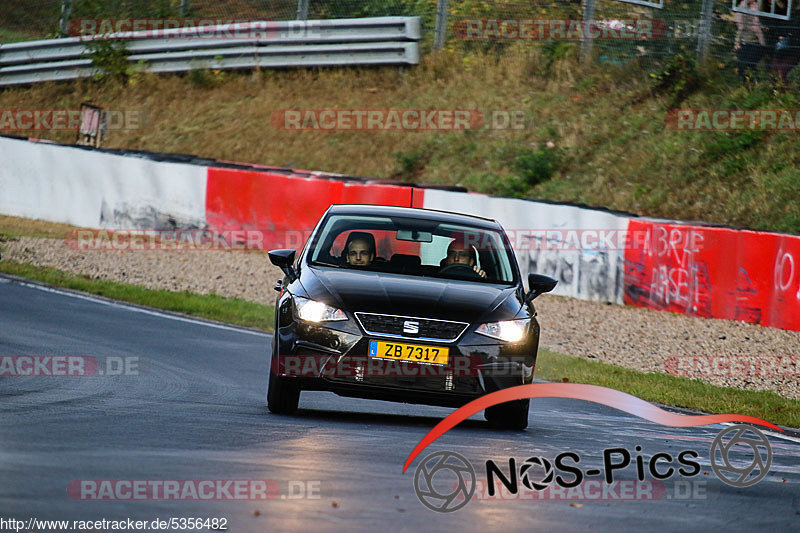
193 409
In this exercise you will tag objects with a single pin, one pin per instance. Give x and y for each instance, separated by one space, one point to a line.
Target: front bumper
322 358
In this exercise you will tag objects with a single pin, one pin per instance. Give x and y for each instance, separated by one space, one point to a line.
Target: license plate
409 352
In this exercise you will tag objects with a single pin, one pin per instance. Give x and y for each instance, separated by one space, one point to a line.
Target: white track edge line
240 330
139 309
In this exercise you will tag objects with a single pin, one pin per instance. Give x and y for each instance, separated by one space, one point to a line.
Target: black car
407 305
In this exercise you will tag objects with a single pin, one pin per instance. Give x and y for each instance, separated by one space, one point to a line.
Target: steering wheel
459 269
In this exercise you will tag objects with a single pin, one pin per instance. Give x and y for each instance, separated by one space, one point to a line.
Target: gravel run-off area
724 352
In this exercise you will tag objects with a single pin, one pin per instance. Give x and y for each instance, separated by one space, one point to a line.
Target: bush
731 144
110 57
553 51
537 166
793 77
363 8
678 78
411 163
130 8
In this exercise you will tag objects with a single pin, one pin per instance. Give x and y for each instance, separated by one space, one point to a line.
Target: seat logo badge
409 326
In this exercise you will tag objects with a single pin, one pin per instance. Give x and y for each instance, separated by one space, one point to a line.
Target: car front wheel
283 394
509 415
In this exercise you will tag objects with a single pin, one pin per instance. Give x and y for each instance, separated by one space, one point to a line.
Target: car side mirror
284 259
539 284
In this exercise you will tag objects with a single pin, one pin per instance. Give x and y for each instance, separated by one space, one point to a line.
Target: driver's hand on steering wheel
479 271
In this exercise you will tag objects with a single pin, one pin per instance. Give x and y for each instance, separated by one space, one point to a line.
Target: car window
420 249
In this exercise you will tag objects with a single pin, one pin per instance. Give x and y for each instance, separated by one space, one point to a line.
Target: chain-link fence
614 31
618 31
37 19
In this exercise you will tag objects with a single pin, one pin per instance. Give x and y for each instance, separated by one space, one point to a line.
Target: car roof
414 212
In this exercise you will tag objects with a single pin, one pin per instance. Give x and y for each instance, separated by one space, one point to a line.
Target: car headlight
507 330
314 311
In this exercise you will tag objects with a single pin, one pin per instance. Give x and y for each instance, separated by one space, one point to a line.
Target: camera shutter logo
410 326
731 471
448 463
544 464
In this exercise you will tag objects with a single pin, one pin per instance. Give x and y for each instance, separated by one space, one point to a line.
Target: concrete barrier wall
716 272
696 270
286 207
540 232
98 190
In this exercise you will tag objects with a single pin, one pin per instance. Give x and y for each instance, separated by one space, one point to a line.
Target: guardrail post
186 5
66 13
440 33
704 31
588 18
302 9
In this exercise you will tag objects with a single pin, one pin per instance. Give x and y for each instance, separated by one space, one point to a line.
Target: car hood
392 294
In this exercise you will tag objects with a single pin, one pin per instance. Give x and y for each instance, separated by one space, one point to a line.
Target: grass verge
8 36
661 388
210 306
670 390
12 227
593 133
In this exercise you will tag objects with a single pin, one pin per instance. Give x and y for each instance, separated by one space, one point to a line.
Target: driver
359 250
460 253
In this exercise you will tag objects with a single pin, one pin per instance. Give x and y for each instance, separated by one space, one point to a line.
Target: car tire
509 415
283 394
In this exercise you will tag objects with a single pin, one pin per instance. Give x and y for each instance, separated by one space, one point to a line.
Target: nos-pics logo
445 481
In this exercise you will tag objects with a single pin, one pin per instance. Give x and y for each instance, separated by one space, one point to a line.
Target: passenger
782 39
359 249
460 253
750 44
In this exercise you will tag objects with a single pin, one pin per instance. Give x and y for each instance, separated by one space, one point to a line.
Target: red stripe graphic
590 393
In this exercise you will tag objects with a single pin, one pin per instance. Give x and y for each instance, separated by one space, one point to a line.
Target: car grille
429 329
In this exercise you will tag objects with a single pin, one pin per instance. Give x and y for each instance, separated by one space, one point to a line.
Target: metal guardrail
267 44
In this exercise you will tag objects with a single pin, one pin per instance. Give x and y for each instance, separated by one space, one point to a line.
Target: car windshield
413 247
